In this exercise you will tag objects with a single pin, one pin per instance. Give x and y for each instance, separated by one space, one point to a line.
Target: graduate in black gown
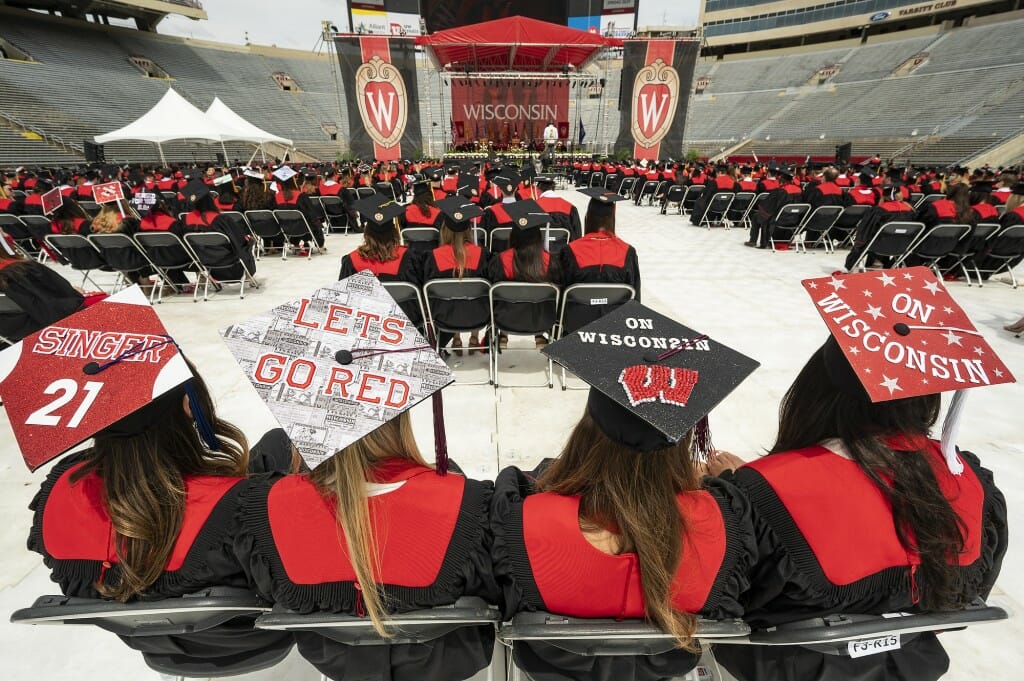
43 295
621 525
857 509
148 510
373 529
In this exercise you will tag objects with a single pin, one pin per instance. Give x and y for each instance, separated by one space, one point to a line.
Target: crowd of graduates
633 519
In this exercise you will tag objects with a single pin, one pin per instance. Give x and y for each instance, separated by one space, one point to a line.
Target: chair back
80 253
38 226
524 307
293 223
499 239
693 192
740 205
821 221
410 299
975 241
585 303
597 179
263 223
90 207
557 239
120 252
851 217
365 192
166 250
894 239
457 305
938 242
15 323
422 239
931 198
213 250
718 205
791 216
1008 244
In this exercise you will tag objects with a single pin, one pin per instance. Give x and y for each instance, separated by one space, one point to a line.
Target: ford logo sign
879 16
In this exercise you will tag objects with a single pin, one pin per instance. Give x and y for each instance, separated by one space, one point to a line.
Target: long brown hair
528 256
66 214
342 479
960 195
424 202
457 240
634 494
379 247
144 486
813 411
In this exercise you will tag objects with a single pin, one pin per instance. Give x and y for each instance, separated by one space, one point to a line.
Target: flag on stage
583 132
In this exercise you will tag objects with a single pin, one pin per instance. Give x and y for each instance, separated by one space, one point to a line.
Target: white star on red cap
886 280
812 285
892 384
947 310
932 286
978 351
952 338
867 294
837 283
875 312
854 350
867 370
924 381
908 276
998 373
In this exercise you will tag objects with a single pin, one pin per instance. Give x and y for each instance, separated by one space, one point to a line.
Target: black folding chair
421 239
693 193
124 255
626 186
596 179
170 254
933 245
216 253
915 198
816 228
1001 254
842 634
647 189
334 212
386 189
266 228
845 228
889 243
931 198
460 306
499 239
80 254
674 198
19 235
90 207
521 308
970 246
295 227
787 223
716 209
585 303
410 299
740 206
556 239
223 612
365 192
15 323
39 227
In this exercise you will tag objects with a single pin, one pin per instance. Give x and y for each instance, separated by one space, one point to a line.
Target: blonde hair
109 219
1014 201
457 240
342 479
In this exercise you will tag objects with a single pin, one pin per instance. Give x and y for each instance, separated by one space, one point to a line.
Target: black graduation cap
1018 189
459 212
895 174
419 188
526 215
468 185
544 179
435 175
379 211
507 180
652 379
866 175
602 202
195 190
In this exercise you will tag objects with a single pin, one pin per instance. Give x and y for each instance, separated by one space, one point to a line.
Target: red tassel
440 439
702 445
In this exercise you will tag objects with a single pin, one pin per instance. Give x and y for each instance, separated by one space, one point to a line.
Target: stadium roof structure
514 44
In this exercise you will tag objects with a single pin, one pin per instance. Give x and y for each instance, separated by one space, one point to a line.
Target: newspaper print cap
336 364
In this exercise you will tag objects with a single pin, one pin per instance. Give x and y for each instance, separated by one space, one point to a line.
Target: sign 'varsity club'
379 77
656 79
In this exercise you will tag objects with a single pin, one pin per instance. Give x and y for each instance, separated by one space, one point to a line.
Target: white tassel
950 430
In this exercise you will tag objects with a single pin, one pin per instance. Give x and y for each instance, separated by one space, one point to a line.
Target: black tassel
702 445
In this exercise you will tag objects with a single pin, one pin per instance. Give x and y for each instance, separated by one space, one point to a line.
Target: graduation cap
253 173
652 379
195 190
223 180
526 215
284 173
545 179
420 188
899 334
106 369
602 202
335 365
379 212
459 212
468 185
507 180
1018 189
435 175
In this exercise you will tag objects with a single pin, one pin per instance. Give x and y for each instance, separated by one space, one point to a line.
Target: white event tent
174 118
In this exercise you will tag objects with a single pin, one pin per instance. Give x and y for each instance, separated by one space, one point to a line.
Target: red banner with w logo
379 80
657 76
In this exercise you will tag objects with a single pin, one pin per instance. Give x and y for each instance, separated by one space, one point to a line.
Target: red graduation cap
107 193
65 383
905 336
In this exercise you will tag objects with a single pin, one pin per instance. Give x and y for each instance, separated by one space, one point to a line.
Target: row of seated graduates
596 256
675 539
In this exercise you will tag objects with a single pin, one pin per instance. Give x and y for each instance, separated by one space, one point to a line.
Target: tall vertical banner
503 110
657 76
379 77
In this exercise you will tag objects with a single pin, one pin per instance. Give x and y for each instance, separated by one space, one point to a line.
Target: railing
51 139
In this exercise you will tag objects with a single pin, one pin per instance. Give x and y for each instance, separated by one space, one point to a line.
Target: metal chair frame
460 289
206 277
285 215
914 229
544 292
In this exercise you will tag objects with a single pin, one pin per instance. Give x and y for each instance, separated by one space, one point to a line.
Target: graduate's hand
720 461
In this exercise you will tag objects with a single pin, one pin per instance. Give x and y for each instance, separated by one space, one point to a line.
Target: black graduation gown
302 203
761 221
433 544
563 214
44 296
71 530
599 258
716 186
811 568
543 562
407 266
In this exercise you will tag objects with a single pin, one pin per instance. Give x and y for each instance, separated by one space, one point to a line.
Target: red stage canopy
514 44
